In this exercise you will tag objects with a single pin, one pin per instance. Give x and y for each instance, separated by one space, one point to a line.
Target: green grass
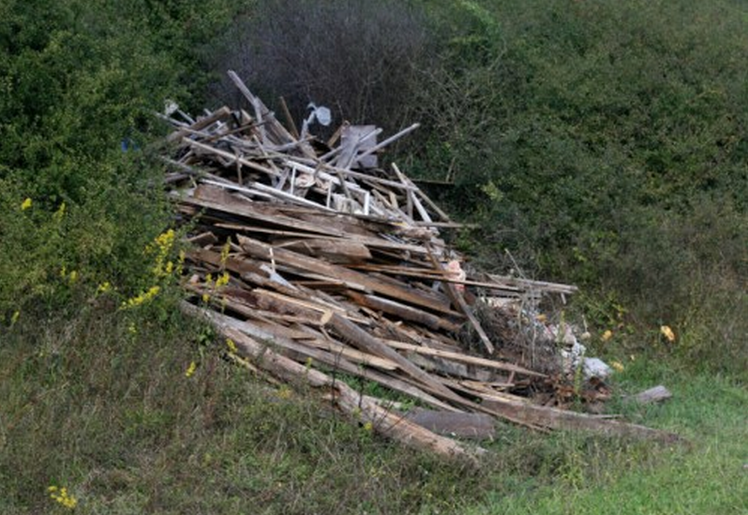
110 414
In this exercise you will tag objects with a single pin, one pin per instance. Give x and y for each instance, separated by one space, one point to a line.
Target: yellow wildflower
26 204
14 318
667 333
223 280
225 253
617 366
368 426
103 287
142 298
607 335
284 392
67 500
190 370
73 276
206 298
231 345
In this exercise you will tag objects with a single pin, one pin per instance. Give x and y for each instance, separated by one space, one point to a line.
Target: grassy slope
115 420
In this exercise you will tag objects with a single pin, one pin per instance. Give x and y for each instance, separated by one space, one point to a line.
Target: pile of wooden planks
319 268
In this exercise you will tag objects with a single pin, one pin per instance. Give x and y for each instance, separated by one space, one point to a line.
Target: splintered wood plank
404 312
258 249
335 251
464 358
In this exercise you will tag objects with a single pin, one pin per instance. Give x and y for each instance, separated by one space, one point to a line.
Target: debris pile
320 267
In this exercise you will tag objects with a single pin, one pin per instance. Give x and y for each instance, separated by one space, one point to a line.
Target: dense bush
80 80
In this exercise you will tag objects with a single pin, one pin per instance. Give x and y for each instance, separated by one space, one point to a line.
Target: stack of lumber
318 270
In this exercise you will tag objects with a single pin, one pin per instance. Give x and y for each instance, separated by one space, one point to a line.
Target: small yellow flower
67 500
26 204
223 280
231 345
142 298
667 333
617 366
607 335
14 318
73 276
206 298
103 287
368 426
284 392
225 253
190 370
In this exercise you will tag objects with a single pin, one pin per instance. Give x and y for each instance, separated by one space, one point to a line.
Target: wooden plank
464 358
404 312
258 249
657 394
200 124
360 338
554 418
474 426
460 303
350 401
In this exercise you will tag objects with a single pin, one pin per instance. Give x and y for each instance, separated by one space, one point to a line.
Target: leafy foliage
80 81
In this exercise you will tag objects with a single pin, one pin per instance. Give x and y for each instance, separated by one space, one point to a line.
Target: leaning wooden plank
460 303
356 336
258 249
554 418
348 400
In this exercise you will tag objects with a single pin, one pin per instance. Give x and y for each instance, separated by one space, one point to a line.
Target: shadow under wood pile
314 265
